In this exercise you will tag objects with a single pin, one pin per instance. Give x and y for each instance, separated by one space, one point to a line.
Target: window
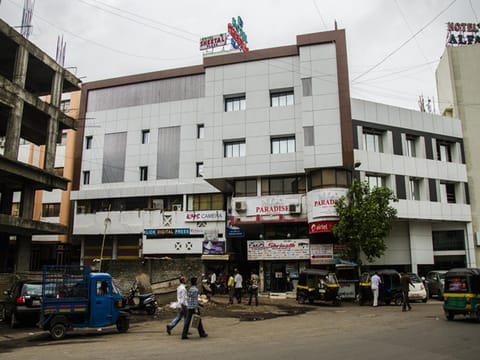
88 142
375 181
205 202
200 169
281 98
65 106
200 131
283 145
51 210
444 151
448 240
329 178
236 103
143 173
284 185
372 140
414 189
62 140
15 209
411 143
234 148
145 136
307 86
308 136
447 193
86 177
246 187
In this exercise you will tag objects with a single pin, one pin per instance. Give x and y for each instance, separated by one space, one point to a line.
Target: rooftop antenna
26 28
336 26
60 55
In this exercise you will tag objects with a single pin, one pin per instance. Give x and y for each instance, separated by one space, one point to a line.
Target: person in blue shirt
193 307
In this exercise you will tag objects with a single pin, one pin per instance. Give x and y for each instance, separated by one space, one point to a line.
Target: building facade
27 76
458 76
239 161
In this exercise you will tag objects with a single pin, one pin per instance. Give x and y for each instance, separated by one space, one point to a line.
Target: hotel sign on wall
463 34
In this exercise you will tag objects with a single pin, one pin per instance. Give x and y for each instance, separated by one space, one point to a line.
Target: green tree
365 219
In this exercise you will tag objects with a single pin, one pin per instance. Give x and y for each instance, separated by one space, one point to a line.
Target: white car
417 291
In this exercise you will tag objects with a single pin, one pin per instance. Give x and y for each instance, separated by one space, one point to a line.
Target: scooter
144 302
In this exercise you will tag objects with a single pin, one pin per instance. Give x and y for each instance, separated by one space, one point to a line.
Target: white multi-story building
241 159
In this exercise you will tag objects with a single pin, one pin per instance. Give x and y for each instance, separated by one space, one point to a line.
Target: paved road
347 332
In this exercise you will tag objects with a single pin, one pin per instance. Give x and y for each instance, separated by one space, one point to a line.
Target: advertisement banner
321 227
297 249
322 202
213 248
197 216
321 254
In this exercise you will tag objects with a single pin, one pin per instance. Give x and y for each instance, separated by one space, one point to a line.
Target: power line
404 43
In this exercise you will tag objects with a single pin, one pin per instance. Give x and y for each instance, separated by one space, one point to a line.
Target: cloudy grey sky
393 45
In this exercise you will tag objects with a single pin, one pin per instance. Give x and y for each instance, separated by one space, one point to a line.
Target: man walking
213 283
238 286
231 288
181 305
192 308
254 282
405 282
376 281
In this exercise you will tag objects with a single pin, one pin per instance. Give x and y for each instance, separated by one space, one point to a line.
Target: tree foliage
365 219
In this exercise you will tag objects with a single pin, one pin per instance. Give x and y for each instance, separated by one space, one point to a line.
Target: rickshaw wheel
123 324
398 300
450 315
301 299
57 331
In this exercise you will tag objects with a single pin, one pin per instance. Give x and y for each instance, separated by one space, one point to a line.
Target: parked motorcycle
136 302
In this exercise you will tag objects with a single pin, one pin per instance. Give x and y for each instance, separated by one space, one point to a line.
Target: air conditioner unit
295 208
240 206
177 207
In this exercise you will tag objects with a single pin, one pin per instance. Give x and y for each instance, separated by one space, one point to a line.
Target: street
347 332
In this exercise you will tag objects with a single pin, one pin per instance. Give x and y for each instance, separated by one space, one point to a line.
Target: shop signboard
321 254
296 249
322 202
198 216
213 248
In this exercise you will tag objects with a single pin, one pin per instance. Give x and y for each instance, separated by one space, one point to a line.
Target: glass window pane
276 186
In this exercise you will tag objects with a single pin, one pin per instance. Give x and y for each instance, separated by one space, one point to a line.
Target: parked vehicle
435 281
417 291
390 289
462 293
134 301
22 303
74 297
316 284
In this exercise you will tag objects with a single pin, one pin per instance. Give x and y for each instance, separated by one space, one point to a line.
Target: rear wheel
123 324
13 320
151 310
398 300
450 315
58 331
301 299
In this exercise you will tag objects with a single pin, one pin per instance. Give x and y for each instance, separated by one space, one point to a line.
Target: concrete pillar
24 243
52 131
5 208
14 125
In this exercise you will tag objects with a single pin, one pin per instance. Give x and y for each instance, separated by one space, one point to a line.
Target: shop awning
223 257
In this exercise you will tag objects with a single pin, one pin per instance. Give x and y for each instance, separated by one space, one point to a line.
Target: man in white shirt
213 283
376 281
181 305
238 279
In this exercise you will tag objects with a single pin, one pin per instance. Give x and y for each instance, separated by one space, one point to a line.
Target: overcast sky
112 38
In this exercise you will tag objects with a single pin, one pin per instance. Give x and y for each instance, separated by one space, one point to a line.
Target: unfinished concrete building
27 74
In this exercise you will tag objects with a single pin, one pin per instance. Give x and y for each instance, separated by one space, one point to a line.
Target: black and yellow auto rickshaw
390 290
317 284
461 294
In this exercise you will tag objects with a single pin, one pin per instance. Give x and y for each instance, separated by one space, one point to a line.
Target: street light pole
106 223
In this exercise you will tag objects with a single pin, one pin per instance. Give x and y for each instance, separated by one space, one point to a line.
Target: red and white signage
210 42
297 249
322 202
321 254
321 227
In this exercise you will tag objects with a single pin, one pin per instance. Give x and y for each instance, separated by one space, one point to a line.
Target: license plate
36 302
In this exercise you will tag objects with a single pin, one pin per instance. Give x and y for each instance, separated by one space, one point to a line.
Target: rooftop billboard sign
463 34
234 35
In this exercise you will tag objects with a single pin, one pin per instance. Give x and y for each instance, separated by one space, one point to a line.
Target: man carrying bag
193 309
